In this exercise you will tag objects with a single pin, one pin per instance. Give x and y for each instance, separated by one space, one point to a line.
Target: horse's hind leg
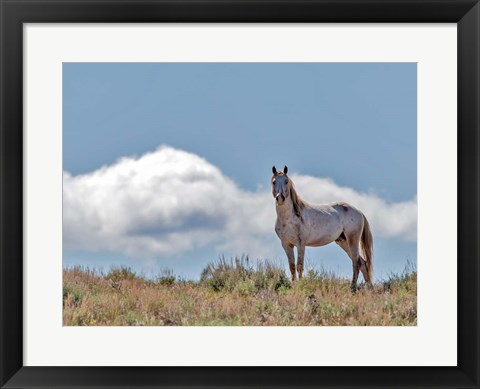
350 242
342 242
364 270
291 257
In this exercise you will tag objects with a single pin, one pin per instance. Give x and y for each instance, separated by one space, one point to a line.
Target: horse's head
280 185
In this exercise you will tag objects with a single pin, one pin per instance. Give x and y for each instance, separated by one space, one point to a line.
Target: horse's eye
286 181
273 181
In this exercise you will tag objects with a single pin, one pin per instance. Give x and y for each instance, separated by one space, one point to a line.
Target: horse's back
351 217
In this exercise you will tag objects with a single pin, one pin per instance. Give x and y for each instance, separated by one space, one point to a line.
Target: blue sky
352 123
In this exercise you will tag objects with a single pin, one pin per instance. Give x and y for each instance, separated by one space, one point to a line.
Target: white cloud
170 201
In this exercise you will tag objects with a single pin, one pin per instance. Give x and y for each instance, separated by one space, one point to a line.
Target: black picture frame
14 13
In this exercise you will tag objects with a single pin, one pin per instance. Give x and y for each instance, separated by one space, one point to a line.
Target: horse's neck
286 211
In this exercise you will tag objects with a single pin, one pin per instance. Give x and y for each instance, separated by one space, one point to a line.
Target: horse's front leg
291 257
300 255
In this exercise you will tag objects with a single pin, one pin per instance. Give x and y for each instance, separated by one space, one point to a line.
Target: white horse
301 224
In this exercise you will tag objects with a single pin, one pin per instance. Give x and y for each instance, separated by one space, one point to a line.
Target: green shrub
166 277
238 274
120 273
246 287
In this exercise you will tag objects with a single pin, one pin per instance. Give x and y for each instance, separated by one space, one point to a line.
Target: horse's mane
298 202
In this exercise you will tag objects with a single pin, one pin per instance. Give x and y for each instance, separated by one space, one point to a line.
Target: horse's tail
367 247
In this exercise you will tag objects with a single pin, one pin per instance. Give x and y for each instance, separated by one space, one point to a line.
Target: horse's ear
274 170
285 169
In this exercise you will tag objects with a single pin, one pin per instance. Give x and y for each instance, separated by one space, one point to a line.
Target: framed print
239 194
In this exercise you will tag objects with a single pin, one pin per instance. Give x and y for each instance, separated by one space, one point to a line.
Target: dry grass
233 293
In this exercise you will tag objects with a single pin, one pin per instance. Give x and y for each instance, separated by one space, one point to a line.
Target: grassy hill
233 293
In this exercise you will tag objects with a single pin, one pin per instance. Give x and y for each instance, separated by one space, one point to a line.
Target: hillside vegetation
234 293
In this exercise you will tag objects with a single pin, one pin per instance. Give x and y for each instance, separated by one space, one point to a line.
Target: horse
300 224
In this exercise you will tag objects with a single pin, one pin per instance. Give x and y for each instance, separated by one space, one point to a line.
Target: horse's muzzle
280 195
